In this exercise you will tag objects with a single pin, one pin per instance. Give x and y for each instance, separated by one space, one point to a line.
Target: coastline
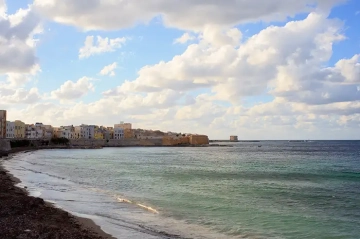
25 216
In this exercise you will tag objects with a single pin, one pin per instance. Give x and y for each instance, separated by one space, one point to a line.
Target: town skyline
119 131
258 69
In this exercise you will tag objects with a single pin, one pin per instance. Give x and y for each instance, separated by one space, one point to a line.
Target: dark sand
23 216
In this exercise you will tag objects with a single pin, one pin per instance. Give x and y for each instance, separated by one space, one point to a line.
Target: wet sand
24 216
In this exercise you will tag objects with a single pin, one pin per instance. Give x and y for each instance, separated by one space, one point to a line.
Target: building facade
123 125
118 133
87 131
2 124
19 129
99 133
233 138
10 130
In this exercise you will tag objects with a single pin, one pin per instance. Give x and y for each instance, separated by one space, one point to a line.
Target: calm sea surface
280 190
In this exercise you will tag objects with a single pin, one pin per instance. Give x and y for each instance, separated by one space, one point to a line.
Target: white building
87 131
30 132
118 133
40 132
10 129
39 125
67 132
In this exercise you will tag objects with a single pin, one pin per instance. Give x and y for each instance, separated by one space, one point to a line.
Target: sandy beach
24 216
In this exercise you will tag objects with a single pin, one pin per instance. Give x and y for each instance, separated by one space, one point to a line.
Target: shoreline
25 216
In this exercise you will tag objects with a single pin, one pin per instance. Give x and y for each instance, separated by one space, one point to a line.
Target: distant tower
233 138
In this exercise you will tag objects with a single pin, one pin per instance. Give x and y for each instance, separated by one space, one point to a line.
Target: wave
124 200
38 172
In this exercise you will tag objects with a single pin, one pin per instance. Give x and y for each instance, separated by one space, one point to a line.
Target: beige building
233 138
123 125
19 129
77 132
57 132
2 124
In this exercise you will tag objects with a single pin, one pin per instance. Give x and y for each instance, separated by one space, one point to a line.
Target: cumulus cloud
186 37
109 69
288 64
286 61
17 44
117 14
73 90
100 45
19 96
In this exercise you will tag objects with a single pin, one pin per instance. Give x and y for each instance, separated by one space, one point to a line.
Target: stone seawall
115 142
4 145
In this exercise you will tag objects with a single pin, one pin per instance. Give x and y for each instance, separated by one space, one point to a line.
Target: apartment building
123 125
118 133
19 129
87 131
34 132
10 130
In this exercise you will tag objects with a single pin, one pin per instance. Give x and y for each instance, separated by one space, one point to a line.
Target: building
123 125
30 131
109 133
87 131
2 124
48 134
77 132
39 125
128 133
10 130
67 132
118 133
233 138
99 133
19 129
36 131
48 131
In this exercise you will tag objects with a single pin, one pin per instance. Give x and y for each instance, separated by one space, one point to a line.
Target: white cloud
17 44
284 59
101 45
19 96
73 90
109 69
288 64
117 14
186 37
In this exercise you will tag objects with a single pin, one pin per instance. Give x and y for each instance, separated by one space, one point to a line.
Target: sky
258 69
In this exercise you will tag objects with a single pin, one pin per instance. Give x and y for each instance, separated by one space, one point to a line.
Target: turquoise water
279 190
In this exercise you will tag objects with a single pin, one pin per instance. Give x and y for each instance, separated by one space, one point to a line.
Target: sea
268 189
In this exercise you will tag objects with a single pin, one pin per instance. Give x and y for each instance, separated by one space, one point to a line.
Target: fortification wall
170 140
199 139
